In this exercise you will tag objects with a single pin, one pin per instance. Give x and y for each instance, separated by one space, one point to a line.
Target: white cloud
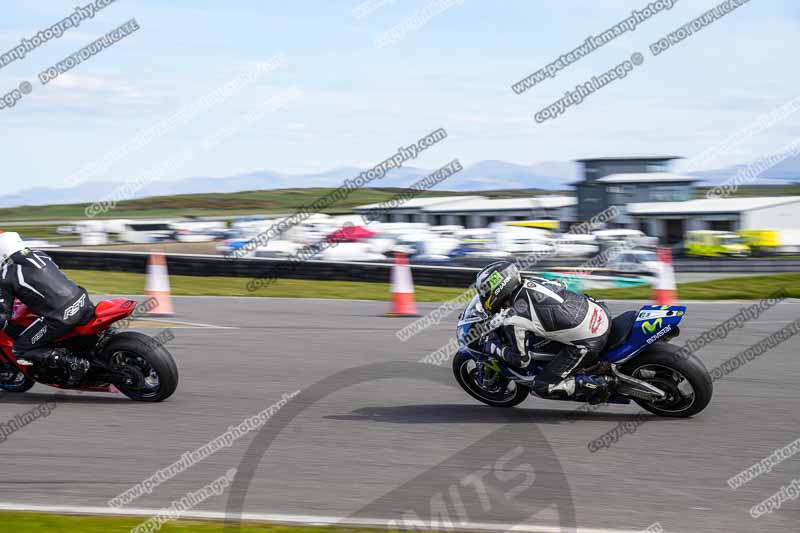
92 85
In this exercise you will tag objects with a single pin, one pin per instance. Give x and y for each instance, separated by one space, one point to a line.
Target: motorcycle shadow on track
32 398
477 414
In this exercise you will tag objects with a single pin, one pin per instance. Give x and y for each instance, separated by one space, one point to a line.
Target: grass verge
743 288
40 523
101 282
235 203
46 232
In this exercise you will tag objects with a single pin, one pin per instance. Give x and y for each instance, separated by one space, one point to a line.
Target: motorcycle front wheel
496 391
12 380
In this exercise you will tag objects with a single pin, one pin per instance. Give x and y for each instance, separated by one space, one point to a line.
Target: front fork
488 372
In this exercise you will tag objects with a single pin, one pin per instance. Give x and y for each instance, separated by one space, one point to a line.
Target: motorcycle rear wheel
684 378
150 362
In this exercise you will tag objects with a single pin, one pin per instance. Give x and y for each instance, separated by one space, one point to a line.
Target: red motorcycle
133 363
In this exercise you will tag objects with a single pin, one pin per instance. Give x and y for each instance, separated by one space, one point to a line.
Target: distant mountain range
785 172
485 175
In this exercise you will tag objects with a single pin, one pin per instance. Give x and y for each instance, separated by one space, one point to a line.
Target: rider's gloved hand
493 346
497 319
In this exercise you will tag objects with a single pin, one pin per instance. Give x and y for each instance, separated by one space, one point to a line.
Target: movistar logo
654 338
651 326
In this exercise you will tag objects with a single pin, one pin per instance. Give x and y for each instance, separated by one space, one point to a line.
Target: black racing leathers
546 317
33 278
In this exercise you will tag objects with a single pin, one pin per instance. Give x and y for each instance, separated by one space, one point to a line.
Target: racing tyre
15 381
151 369
497 392
684 378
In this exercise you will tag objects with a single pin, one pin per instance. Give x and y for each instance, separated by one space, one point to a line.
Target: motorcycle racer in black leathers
34 279
542 316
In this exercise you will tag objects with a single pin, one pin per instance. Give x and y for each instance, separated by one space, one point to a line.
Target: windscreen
732 240
473 313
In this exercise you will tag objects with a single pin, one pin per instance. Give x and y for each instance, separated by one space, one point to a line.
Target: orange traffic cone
402 288
664 290
158 285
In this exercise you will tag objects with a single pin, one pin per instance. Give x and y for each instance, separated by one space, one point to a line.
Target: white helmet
10 243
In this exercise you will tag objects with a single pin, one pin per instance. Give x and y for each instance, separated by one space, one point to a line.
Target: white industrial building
671 220
475 211
409 210
660 203
649 196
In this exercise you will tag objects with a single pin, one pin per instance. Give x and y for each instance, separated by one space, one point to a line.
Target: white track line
294 519
167 320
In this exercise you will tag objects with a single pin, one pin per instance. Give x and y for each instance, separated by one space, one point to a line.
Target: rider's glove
498 318
508 354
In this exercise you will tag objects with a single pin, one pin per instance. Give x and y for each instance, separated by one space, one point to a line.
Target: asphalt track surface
361 446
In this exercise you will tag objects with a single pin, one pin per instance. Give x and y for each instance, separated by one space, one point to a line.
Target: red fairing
105 314
6 344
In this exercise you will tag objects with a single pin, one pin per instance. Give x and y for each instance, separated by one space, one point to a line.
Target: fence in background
442 276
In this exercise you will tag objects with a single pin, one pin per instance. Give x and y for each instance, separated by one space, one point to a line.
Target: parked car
147 232
635 262
547 224
478 251
575 245
633 237
277 249
94 238
435 250
67 229
707 243
772 242
39 243
350 251
519 240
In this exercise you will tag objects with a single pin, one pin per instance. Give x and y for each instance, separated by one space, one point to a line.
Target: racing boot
555 381
595 389
558 391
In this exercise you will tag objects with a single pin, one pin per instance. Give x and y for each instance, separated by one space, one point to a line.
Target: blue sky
357 102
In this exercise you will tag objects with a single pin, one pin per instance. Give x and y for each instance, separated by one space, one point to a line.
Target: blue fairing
652 323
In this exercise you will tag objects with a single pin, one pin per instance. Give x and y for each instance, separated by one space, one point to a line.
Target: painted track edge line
166 320
290 519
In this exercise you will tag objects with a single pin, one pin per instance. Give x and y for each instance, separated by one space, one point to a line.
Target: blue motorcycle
638 362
